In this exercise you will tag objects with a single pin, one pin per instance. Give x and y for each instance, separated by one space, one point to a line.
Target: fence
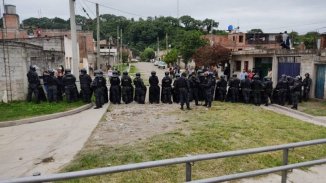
188 161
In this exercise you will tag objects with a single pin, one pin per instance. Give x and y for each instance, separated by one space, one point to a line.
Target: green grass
21 109
121 67
224 127
313 107
133 70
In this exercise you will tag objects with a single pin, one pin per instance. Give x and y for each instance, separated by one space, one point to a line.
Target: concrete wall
21 56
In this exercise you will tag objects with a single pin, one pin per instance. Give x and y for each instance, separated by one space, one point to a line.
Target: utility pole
75 61
121 46
158 47
166 43
118 39
96 65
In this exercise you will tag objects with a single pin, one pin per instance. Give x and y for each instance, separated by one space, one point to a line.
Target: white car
162 65
156 62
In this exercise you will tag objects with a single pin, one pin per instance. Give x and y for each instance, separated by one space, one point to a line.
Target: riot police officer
115 89
245 86
233 92
268 89
98 86
166 88
69 82
176 92
52 86
194 85
140 89
257 88
127 88
33 84
85 86
295 92
207 86
306 86
220 91
282 87
154 89
181 84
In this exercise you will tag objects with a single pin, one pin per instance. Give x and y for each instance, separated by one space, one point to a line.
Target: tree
310 40
211 55
171 57
209 24
125 56
255 31
147 54
191 41
295 38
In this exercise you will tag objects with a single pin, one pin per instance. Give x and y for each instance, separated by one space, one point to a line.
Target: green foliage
255 31
310 40
21 109
190 42
295 38
172 56
125 56
147 54
225 127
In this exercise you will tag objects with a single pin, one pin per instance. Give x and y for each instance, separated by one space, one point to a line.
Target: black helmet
114 73
256 77
96 72
32 67
83 70
177 75
167 73
51 72
266 78
153 73
125 73
222 76
184 74
137 74
68 71
307 74
234 75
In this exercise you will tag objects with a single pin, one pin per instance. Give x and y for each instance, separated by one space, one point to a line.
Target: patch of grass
22 109
121 67
133 70
224 127
313 107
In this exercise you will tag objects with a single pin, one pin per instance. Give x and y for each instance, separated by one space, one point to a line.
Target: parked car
162 65
156 62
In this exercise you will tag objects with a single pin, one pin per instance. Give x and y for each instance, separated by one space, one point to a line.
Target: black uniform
220 91
33 85
194 85
295 93
98 85
282 88
140 90
306 87
154 90
127 89
69 81
115 90
85 86
268 88
52 88
166 90
257 88
61 88
207 86
233 92
175 91
182 85
245 85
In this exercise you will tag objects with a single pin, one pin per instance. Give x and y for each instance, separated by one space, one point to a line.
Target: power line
90 9
122 11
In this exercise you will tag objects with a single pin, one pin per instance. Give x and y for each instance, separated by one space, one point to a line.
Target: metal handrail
152 164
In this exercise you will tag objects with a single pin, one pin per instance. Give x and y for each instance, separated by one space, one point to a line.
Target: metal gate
289 66
320 81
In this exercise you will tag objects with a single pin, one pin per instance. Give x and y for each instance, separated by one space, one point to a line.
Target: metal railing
188 161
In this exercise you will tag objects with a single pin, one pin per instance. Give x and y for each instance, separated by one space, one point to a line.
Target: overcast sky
269 15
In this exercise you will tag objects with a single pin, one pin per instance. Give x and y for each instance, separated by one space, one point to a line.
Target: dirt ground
126 124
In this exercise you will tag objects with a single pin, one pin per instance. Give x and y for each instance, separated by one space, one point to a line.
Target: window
237 65
246 64
233 38
240 39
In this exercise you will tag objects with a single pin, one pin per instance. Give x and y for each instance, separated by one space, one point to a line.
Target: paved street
45 146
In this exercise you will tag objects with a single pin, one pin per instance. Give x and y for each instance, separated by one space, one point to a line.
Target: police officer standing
194 87
282 87
98 86
245 86
234 83
182 85
140 89
85 86
69 82
220 91
207 86
126 88
257 88
52 86
176 92
306 86
295 92
268 89
33 84
115 90
154 89
166 88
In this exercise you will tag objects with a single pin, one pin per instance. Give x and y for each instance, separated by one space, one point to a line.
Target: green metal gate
320 81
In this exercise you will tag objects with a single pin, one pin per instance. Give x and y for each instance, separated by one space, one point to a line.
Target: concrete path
45 146
316 174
